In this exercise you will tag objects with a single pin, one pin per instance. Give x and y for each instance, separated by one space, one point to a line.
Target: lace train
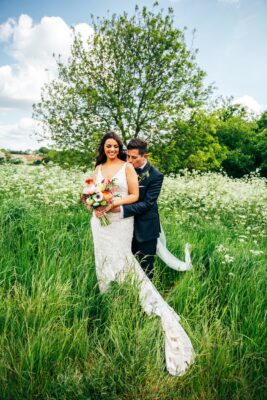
179 352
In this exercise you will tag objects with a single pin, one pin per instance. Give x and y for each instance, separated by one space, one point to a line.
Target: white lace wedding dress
114 260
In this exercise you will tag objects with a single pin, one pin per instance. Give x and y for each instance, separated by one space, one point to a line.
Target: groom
145 210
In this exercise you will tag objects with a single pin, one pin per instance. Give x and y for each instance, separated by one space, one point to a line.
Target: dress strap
122 170
98 172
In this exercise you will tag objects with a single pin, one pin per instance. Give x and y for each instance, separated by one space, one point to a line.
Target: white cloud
250 103
20 85
7 29
31 46
20 135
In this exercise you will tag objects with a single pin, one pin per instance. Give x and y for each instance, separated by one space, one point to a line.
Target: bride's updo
101 157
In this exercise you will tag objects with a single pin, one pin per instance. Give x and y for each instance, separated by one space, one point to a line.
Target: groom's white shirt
121 207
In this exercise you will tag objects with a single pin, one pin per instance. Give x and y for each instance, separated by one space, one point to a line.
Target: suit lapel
146 168
140 171
144 173
143 179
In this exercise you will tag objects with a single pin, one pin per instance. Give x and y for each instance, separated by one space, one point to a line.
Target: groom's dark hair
139 144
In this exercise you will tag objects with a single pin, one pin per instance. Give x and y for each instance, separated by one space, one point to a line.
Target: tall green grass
61 339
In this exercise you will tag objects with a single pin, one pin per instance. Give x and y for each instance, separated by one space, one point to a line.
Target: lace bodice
121 180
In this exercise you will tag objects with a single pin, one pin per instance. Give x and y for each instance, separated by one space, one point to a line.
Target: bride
114 258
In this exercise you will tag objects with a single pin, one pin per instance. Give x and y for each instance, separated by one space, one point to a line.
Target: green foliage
134 74
227 138
238 134
16 161
43 150
191 144
261 145
37 162
7 155
70 158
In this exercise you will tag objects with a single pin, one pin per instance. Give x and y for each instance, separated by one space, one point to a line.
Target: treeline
227 139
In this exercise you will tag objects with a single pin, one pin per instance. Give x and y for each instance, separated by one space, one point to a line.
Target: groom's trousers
145 252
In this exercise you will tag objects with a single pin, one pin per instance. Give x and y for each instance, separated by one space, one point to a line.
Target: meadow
61 339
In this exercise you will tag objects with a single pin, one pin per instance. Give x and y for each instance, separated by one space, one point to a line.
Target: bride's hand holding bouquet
99 197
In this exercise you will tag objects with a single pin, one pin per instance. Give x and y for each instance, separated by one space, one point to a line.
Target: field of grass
61 339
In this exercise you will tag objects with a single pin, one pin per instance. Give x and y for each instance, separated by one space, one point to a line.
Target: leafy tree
262 121
135 74
6 153
238 134
261 145
42 150
70 157
191 144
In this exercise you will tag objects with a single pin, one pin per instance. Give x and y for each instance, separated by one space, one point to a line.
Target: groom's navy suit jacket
145 210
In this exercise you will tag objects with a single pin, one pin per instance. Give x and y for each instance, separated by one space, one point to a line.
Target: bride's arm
133 188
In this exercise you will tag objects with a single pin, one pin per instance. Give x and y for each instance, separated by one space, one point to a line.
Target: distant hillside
27 158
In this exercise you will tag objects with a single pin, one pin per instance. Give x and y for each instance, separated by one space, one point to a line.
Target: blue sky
230 35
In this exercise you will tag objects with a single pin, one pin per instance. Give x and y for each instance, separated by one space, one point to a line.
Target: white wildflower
256 252
228 259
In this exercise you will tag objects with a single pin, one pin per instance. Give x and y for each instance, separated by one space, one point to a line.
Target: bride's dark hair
101 157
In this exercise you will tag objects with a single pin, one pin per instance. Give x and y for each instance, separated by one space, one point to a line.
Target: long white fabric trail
169 259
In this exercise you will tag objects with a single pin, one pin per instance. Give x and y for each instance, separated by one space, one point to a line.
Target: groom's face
135 158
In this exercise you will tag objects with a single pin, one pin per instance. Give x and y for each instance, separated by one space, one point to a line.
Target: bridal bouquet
97 195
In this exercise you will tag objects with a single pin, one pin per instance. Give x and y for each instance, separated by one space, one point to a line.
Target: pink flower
89 190
105 181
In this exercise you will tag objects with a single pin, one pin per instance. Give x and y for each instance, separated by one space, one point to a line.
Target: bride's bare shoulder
129 167
130 171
